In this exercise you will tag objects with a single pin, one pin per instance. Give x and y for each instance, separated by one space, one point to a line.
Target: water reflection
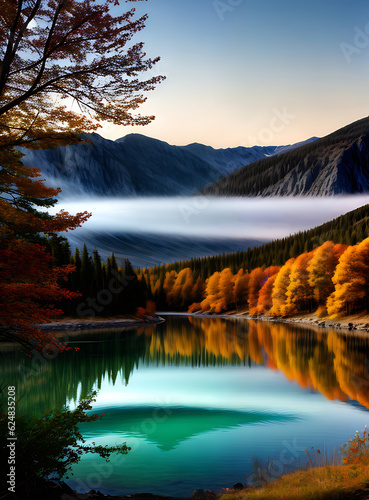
172 426
328 361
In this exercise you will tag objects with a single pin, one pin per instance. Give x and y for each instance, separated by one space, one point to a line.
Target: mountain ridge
333 165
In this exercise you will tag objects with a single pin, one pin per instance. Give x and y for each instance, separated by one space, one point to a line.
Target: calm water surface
200 400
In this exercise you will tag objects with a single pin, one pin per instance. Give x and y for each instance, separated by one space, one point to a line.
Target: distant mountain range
136 165
336 164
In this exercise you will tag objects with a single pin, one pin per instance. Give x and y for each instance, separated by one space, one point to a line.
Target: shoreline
356 322
77 325
353 323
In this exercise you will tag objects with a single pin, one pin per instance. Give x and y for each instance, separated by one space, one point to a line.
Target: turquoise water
202 402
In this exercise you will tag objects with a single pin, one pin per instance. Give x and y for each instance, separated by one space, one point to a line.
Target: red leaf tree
54 52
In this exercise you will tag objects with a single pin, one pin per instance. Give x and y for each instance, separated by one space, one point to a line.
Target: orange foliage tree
265 300
321 269
351 280
241 287
257 279
226 289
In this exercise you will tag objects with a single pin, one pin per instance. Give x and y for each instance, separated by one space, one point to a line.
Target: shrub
49 446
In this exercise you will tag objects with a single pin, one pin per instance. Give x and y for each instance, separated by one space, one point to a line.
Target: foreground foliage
48 447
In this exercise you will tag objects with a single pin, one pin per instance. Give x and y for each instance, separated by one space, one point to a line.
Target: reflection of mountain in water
171 426
328 361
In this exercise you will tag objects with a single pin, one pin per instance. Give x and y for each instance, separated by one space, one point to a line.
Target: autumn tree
241 287
351 280
212 293
281 283
265 301
169 281
197 292
321 269
257 279
29 283
54 53
58 51
226 289
299 292
179 296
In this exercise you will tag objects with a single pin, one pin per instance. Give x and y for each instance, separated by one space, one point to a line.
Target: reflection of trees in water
331 362
58 380
335 364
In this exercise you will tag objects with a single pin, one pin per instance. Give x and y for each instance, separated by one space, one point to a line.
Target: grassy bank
321 483
347 481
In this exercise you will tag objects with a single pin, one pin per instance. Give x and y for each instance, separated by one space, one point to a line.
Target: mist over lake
150 231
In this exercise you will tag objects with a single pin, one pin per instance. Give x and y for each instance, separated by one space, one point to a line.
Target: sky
246 72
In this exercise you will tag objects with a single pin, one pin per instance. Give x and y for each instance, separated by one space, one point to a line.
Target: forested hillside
335 164
347 229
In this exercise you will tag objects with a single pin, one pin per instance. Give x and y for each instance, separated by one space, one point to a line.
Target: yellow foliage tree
170 279
212 293
281 283
226 289
299 292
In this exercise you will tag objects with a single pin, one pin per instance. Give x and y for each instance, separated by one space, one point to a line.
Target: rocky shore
358 322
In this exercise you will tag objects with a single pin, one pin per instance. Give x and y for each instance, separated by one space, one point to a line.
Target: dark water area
199 400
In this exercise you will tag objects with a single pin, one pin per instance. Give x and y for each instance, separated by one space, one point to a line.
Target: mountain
335 164
136 165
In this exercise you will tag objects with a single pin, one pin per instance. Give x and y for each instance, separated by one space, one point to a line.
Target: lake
203 401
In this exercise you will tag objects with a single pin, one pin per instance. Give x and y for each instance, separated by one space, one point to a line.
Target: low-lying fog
197 219
258 218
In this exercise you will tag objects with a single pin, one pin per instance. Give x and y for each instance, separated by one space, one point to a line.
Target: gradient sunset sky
246 72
